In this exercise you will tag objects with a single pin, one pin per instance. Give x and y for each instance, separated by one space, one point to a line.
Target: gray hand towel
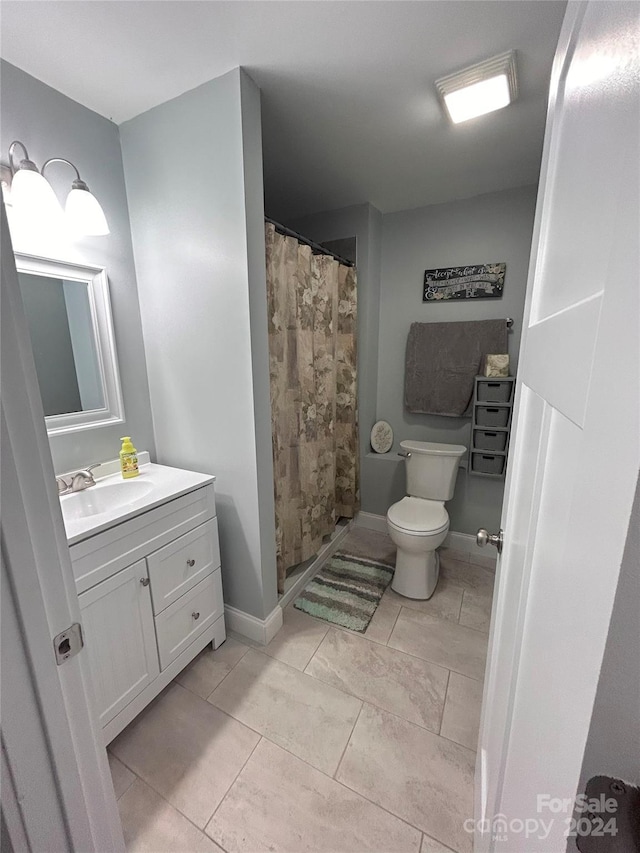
442 360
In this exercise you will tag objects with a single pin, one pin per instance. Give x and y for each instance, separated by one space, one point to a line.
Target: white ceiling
350 112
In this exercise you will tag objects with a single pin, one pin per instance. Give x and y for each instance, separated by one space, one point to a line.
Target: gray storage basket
494 390
484 439
487 463
492 416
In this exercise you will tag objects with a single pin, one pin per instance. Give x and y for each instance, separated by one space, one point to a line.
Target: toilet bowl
417 527
418 524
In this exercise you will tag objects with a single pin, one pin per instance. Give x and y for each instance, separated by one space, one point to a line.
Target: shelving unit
491 426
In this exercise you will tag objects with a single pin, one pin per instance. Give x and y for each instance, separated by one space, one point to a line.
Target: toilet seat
418 516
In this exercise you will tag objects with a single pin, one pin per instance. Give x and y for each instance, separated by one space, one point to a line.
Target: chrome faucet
77 482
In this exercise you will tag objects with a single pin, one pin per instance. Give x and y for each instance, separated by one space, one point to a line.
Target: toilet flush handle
483 537
404 453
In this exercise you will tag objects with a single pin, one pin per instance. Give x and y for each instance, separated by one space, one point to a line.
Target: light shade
478 99
480 89
84 214
34 199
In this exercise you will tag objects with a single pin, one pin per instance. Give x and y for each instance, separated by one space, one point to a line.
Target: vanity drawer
181 564
180 623
106 553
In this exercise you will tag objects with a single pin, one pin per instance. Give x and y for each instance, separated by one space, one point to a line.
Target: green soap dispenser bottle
128 459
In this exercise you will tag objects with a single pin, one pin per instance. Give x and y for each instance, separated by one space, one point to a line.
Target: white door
56 787
575 452
117 620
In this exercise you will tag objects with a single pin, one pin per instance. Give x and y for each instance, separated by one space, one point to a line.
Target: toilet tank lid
432 448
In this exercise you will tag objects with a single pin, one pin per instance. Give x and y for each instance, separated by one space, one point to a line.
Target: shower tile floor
324 740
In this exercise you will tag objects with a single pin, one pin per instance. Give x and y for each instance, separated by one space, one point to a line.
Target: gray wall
364 222
50 125
493 227
193 171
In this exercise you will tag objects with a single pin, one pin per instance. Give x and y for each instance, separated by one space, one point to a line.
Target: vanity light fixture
32 194
479 89
82 209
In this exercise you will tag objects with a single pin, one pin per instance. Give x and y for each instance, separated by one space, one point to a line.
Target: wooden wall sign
480 281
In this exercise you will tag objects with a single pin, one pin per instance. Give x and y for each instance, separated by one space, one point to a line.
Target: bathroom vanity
146 562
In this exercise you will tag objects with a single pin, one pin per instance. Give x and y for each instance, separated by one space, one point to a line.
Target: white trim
98 291
323 555
272 624
261 631
371 521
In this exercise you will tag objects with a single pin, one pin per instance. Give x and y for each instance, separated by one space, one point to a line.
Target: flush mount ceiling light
481 88
34 197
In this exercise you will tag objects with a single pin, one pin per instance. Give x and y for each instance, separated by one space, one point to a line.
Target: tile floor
324 741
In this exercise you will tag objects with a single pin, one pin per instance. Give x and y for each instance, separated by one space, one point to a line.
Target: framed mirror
69 319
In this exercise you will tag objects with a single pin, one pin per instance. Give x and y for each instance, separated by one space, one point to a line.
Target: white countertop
155 485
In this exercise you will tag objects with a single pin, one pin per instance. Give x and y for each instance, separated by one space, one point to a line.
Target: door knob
483 537
144 581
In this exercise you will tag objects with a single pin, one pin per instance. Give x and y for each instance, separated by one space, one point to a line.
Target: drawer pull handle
191 563
196 614
144 581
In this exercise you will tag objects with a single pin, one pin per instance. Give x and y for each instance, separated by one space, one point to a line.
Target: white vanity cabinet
119 635
150 594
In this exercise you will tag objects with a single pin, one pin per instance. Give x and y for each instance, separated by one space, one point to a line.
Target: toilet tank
432 469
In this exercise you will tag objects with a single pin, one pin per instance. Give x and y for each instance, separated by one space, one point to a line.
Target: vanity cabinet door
119 635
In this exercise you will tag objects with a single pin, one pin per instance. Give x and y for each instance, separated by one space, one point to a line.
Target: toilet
418 524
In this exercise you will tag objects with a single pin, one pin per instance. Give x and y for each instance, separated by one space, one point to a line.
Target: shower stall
312 316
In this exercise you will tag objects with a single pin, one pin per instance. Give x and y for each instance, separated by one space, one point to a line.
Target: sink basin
101 499
113 500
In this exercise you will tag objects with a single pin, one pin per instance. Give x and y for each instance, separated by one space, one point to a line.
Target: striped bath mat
346 591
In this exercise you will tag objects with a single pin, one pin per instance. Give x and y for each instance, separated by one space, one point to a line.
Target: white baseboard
465 543
371 521
261 631
272 624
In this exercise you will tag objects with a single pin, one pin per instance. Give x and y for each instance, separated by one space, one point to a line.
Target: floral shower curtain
312 353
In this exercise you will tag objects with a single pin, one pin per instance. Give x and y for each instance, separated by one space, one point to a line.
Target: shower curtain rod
318 250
